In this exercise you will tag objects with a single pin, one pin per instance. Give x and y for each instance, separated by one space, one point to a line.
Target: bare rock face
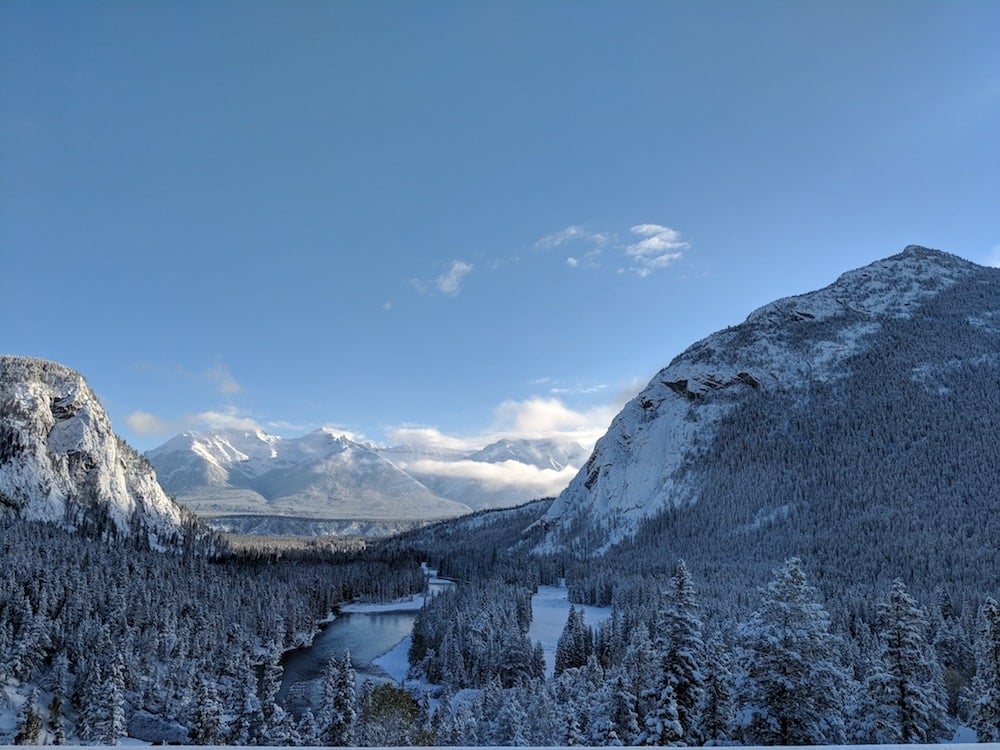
61 461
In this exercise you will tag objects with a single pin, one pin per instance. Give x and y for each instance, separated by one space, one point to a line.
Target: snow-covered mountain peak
544 453
638 467
320 475
61 461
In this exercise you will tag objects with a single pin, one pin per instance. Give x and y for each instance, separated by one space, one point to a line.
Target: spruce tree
683 652
207 726
29 725
984 715
795 686
904 693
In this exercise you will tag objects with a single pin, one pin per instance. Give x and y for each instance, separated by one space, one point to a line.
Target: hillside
856 427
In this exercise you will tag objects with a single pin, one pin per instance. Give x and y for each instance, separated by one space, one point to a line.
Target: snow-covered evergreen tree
575 642
683 652
904 694
984 714
338 712
795 683
662 726
717 710
29 725
207 727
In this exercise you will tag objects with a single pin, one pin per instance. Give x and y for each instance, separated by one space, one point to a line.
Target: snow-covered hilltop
61 461
812 350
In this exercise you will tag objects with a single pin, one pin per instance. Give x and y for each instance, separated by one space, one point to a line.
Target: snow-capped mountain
61 461
542 454
321 475
856 396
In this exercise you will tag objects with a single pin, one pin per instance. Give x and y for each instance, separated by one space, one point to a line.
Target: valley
815 486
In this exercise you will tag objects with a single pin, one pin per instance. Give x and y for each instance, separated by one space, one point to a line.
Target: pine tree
57 725
29 725
574 644
114 726
904 692
338 715
984 715
662 724
795 684
206 728
443 721
717 711
683 651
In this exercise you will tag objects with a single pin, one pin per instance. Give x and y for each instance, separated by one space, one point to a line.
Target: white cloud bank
494 477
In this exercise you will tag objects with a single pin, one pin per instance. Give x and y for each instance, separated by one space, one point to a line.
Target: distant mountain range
253 481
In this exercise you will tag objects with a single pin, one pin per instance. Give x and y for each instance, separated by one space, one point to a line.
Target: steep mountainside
317 476
862 416
61 461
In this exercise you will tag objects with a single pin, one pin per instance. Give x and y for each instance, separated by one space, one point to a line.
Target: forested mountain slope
856 426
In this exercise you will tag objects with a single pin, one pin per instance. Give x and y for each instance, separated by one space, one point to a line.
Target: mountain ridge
644 464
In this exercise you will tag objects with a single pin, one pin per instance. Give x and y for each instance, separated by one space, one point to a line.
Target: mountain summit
61 461
875 395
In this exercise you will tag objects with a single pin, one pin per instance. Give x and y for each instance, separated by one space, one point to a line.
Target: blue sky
446 221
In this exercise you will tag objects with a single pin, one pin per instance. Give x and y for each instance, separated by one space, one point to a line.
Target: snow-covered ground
549 610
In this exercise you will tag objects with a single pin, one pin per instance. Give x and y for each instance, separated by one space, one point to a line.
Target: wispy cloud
146 424
577 389
572 233
449 282
149 425
650 247
224 381
659 247
587 260
993 259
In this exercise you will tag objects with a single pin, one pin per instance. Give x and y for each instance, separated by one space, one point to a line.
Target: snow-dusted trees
29 725
473 633
904 692
717 711
795 684
984 713
682 652
338 712
207 727
575 644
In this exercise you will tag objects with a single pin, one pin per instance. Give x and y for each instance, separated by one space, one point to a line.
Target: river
366 631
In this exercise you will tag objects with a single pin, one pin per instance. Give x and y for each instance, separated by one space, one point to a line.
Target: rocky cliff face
61 461
649 460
